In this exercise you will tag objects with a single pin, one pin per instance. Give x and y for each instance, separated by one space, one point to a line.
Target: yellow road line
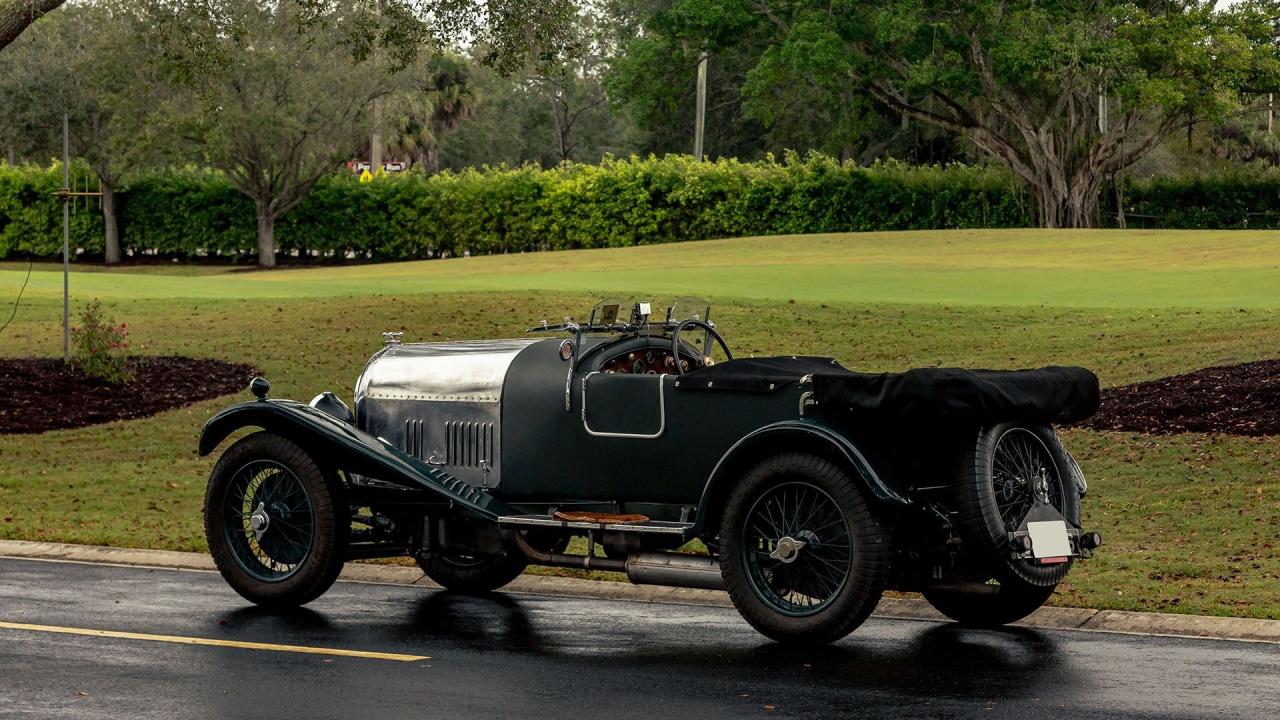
182 640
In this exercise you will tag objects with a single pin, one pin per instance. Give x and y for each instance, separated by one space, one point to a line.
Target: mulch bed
41 394
1233 399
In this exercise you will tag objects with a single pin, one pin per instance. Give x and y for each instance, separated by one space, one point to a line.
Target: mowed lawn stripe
1090 269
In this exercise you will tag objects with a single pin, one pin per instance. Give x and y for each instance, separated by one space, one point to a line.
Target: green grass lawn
1095 269
1190 520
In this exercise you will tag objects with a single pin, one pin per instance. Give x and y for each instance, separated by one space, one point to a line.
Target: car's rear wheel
471 573
803 557
275 522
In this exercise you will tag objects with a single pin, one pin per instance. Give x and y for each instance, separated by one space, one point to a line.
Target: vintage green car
802 488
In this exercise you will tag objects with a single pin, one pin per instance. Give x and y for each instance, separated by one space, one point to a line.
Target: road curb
1054 618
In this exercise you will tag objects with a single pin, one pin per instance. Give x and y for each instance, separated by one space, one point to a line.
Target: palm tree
436 106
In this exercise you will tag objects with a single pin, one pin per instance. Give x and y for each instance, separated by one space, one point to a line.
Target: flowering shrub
99 346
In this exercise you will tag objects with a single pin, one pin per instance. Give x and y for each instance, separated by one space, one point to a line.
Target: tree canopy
277 94
1065 92
279 111
81 61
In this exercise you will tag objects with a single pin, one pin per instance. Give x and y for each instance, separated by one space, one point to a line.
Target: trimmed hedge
494 210
31 217
616 203
1227 202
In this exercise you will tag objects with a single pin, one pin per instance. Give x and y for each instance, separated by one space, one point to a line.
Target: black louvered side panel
415 439
468 444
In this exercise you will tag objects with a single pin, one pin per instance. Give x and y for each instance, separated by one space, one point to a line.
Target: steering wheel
691 323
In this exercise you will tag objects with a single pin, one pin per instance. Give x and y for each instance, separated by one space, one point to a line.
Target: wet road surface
527 656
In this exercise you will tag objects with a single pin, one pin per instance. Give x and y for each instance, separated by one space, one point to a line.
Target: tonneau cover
1044 395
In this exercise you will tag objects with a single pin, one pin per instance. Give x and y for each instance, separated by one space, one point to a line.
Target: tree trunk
266 237
110 223
560 130
375 139
433 159
1066 207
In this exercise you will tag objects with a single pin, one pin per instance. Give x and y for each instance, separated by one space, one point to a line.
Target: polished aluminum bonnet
440 403
469 371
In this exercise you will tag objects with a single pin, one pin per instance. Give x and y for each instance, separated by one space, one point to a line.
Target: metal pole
66 243
375 138
699 119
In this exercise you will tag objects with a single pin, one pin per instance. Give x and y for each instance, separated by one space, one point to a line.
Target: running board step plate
600 517
658 527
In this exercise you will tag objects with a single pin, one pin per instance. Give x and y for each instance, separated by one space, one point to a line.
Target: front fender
778 435
348 448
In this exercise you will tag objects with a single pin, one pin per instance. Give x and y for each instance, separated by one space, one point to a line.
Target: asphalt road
526 656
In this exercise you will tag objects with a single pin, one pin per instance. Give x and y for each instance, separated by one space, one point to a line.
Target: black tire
979 521
465 574
301 551
1001 605
756 580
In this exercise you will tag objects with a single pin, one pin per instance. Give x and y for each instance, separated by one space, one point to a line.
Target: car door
625 406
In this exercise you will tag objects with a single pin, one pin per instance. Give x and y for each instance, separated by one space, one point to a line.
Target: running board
655 527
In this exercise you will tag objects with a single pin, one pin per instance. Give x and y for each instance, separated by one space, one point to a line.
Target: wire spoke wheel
1022 469
797 548
268 520
804 557
278 524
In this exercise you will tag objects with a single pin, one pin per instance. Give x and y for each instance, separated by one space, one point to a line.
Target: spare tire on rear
993 495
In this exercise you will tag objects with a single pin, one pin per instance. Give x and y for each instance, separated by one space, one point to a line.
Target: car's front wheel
276 523
804 558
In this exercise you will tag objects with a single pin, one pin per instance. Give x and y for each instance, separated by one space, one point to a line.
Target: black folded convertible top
1044 395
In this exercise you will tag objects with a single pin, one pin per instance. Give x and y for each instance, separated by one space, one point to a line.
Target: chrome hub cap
787 549
1041 486
797 548
260 520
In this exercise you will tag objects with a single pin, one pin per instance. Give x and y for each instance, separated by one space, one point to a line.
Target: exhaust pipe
675 570
642 568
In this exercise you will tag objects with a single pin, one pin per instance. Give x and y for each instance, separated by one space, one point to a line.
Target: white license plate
1049 539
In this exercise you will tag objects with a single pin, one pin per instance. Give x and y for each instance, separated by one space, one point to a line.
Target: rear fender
791 436
347 448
